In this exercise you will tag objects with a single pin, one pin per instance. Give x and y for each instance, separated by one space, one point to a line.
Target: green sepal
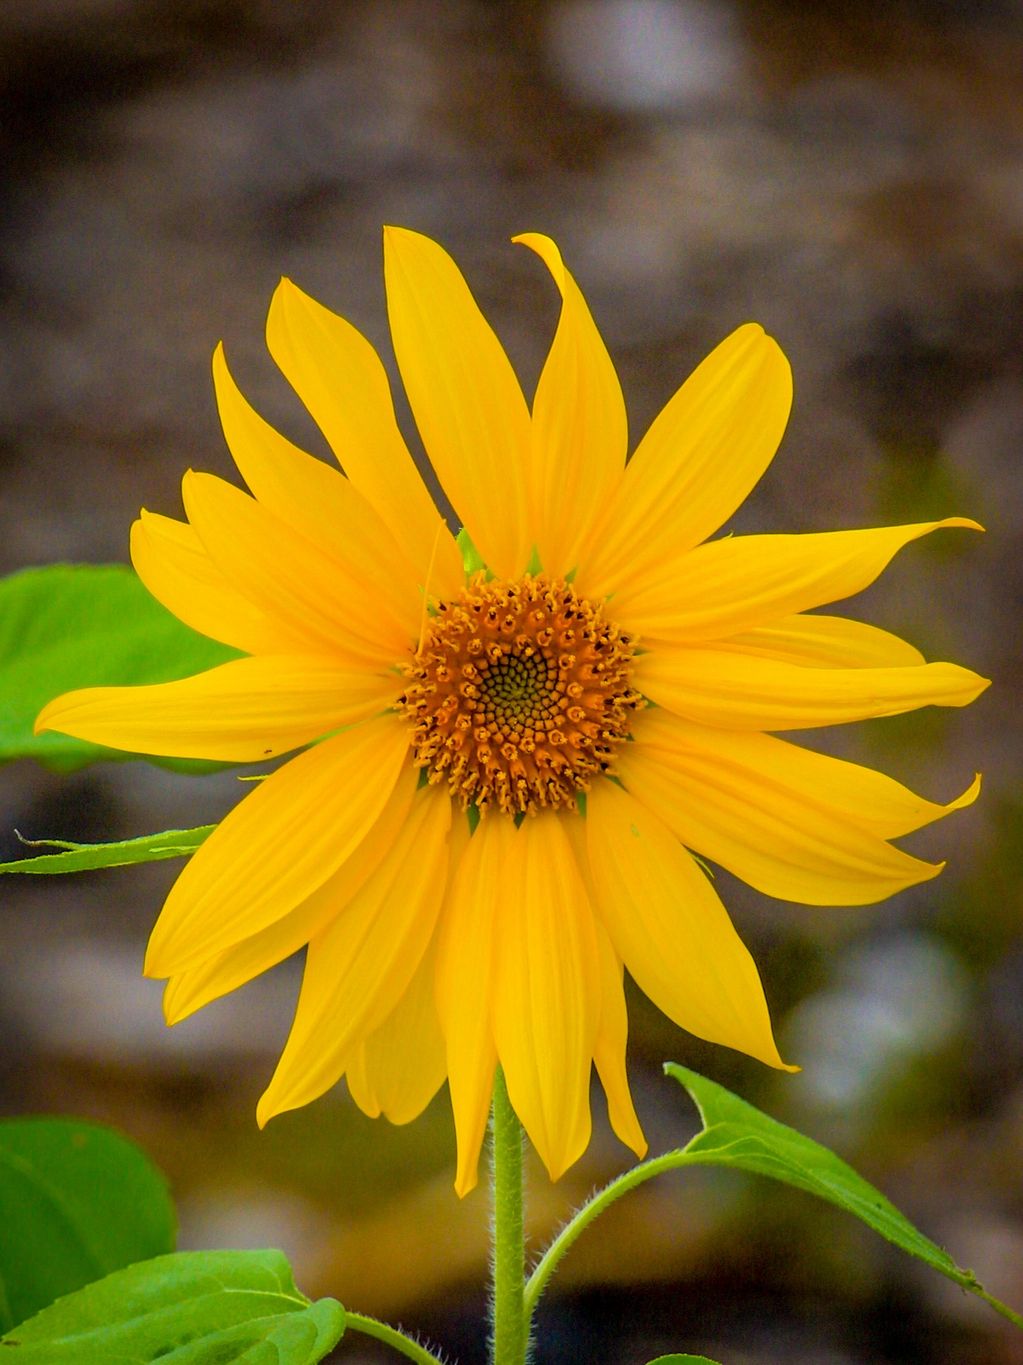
472 560
736 1134
148 848
69 626
76 1202
189 1308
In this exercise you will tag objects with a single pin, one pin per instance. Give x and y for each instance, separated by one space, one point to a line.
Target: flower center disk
519 694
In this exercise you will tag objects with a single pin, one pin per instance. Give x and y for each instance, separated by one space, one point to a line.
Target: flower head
506 758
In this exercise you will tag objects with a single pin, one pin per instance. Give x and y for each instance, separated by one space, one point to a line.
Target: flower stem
592 1209
999 1307
509 1323
390 1336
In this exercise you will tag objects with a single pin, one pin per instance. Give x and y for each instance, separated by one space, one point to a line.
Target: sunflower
511 738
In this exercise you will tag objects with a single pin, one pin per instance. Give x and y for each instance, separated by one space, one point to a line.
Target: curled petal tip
465 1183
265 1110
624 1121
751 334
395 236
56 713
157 965
968 797
536 241
42 721
548 252
926 872
286 288
774 1058
557 1166
171 1016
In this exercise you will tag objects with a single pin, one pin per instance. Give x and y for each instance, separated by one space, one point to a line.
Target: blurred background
849 175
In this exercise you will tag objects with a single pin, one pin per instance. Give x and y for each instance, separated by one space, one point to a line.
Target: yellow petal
337 610
466 963
826 642
195 987
240 712
669 928
779 817
399 1068
170 560
734 584
360 966
547 990
464 396
315 500
279 845
339 377
609 1054
579 431
862 796
696 464
737 691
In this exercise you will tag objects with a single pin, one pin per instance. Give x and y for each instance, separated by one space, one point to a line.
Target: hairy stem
509 1320
390 1336
581 1220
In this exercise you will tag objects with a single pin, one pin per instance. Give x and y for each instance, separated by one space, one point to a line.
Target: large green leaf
737 1135
191 1308
84 625
76 1201
148 848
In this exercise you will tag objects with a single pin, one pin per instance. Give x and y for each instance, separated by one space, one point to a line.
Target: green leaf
76 1201
190 1308
85 625
149 848
737 1135
683 1360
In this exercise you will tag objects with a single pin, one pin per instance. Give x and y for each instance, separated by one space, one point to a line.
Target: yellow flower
513 760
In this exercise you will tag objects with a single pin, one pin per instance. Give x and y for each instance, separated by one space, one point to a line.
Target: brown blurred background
848 174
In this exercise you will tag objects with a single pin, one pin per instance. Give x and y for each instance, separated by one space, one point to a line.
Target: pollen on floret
519 695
